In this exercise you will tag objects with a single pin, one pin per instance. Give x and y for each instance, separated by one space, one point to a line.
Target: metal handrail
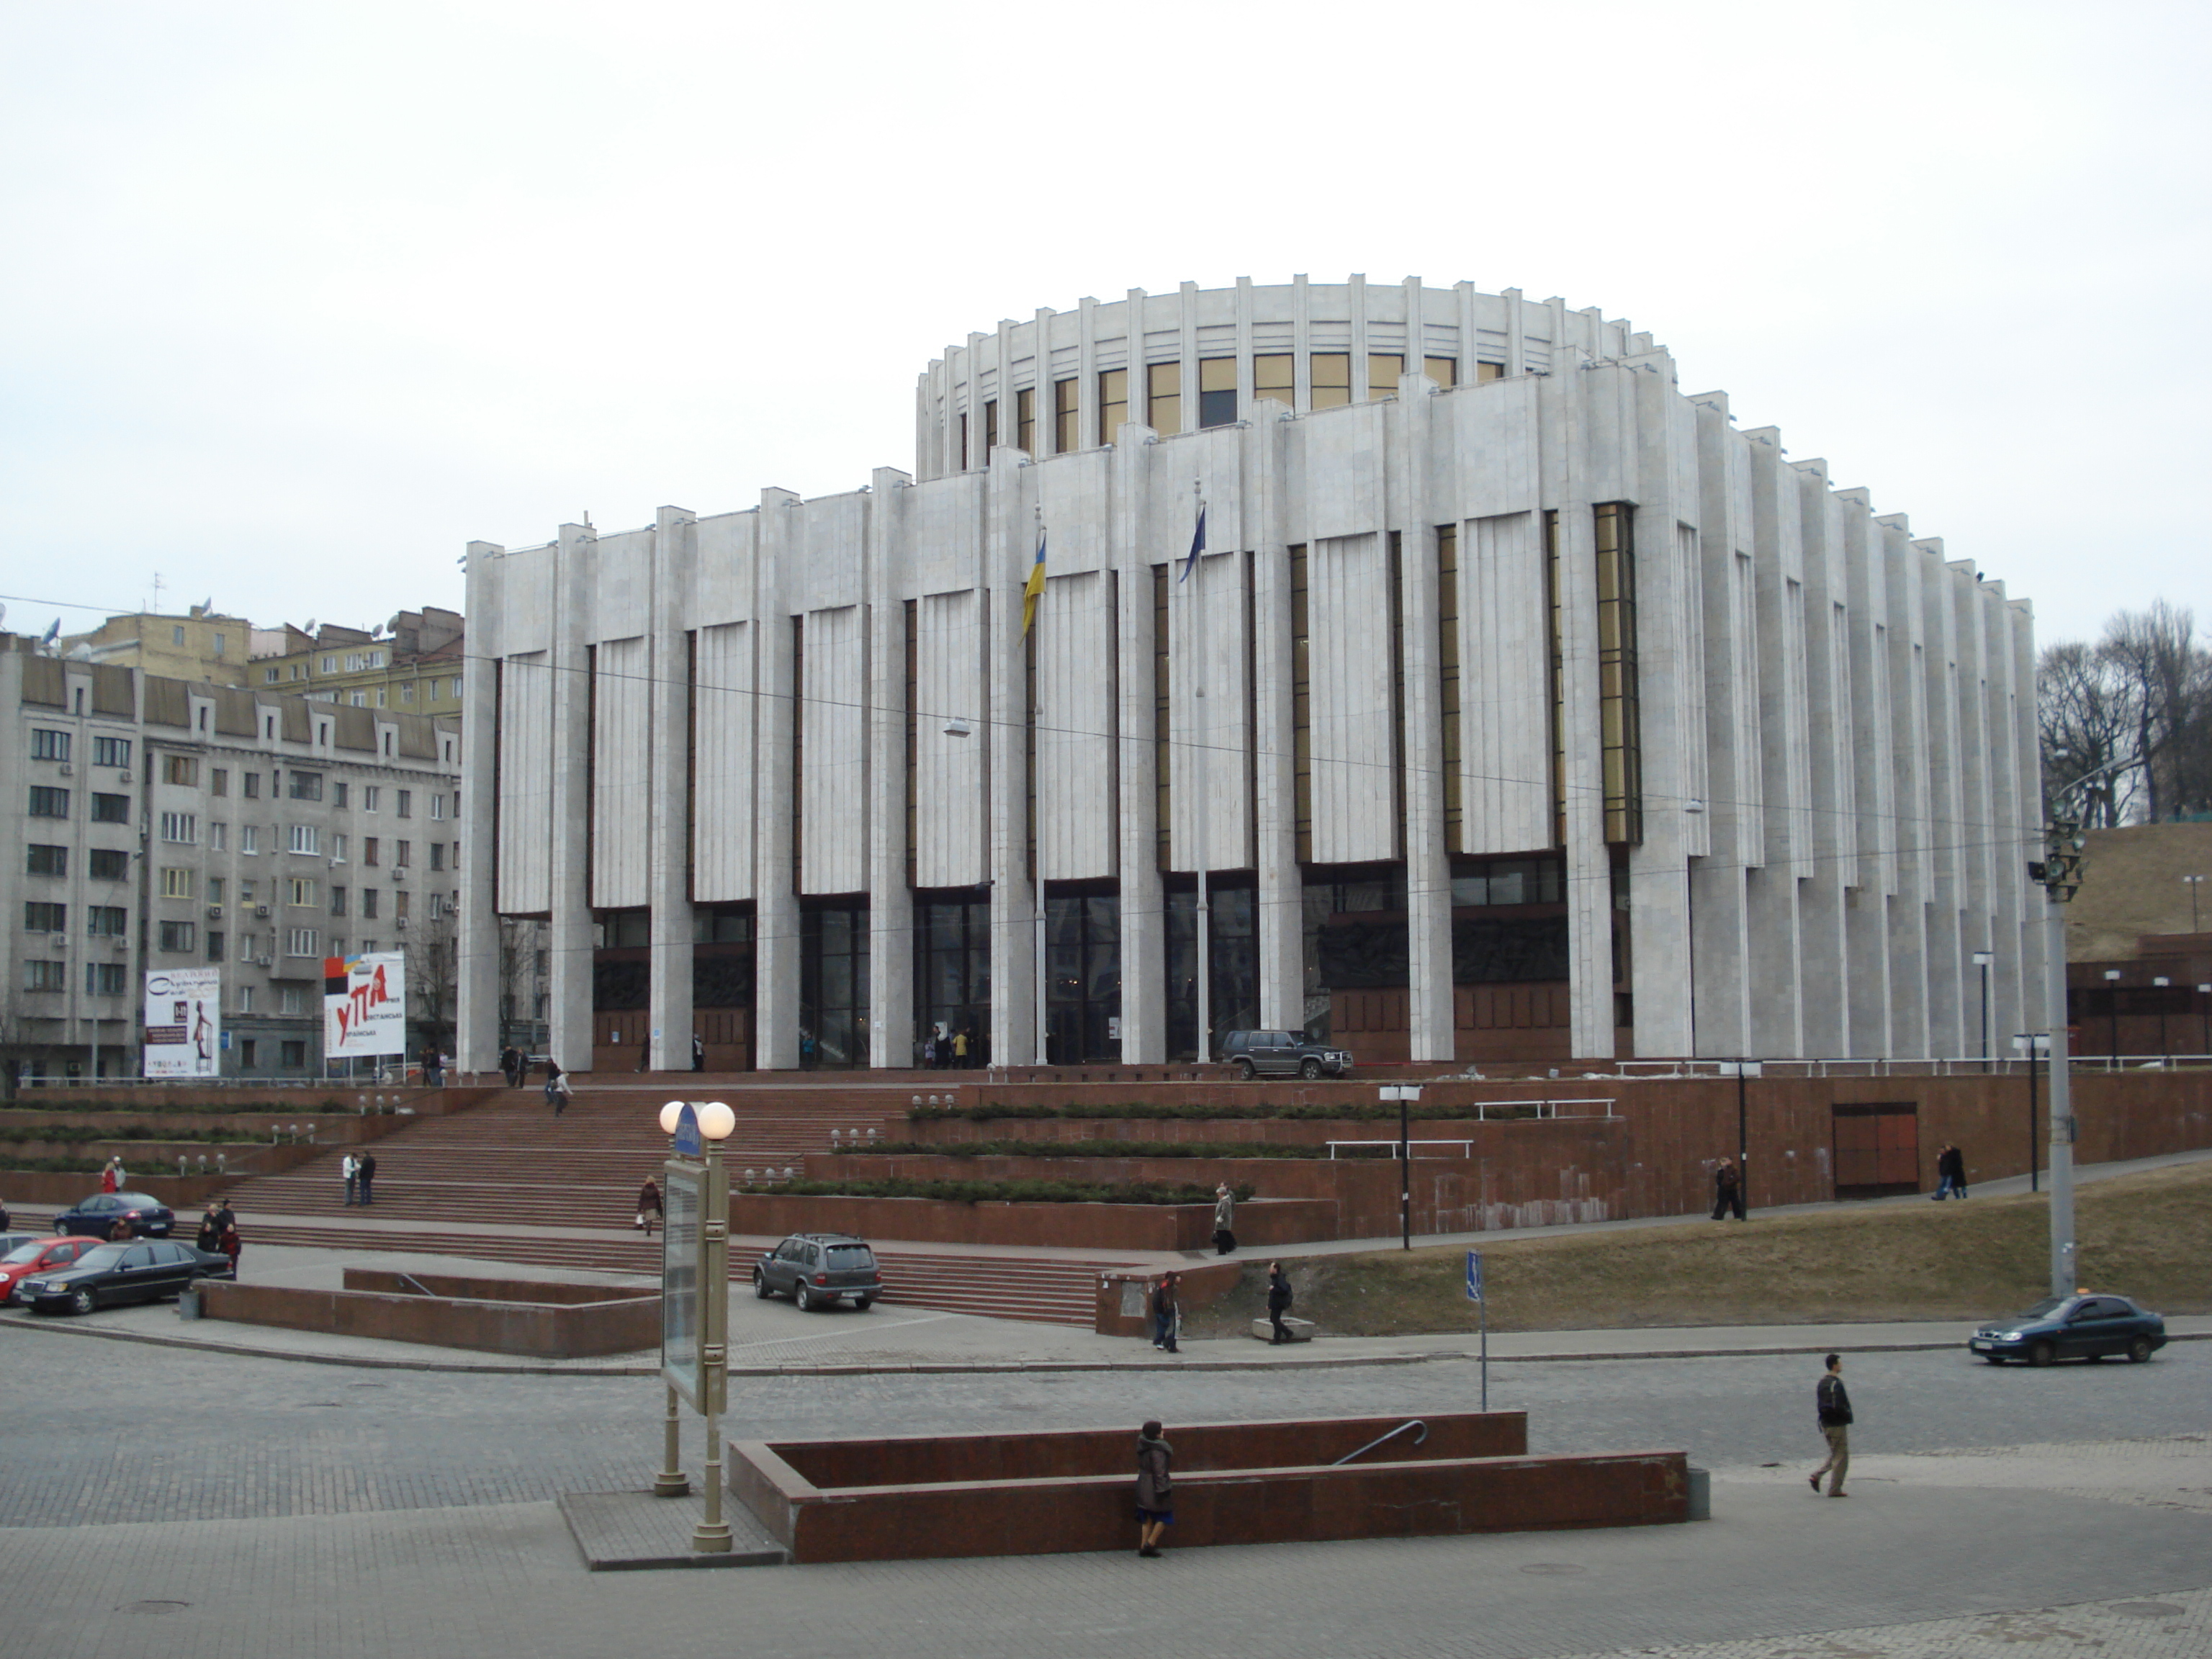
1420 1438
421 1289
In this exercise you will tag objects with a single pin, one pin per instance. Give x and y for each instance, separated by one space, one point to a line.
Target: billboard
364 1005
183 1022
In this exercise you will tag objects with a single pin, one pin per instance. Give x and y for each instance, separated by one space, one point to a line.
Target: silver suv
1282 1053
817 1270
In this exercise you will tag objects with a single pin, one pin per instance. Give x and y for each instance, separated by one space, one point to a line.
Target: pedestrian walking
1950 1173
943 1050
513 1065
1728 1192
1154 1488
698 1051
366 1168
121 1232
1279 1302
1167 1313
1225 1220
1834 1406
210 1238
557 1092
111 1176
650 1210
349 1167
230 1244
960 1047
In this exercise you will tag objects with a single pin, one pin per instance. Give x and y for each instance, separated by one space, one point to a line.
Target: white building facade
1519 707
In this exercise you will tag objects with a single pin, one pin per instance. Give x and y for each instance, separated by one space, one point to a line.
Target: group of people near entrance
218 1233
1728 1183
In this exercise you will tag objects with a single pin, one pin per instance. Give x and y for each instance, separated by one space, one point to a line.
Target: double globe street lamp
695 1297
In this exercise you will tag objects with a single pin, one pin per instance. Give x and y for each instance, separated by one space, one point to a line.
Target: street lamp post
1982 960
2204 1013
2159 983
2113 985
2192 883
699 1130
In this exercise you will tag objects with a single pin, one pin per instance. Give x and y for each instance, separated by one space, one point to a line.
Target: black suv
815 1270
1282 1053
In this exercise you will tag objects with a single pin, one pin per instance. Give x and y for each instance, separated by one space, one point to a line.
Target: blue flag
1197 546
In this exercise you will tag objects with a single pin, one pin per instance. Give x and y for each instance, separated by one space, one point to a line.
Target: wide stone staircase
508 1180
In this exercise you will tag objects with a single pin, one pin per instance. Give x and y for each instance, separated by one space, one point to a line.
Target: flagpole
1198 771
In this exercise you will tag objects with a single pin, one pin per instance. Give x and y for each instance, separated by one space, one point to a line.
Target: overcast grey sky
300 298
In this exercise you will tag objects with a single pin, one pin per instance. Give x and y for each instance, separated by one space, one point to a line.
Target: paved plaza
187 1501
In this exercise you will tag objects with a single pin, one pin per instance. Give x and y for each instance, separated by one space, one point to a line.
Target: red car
38 1256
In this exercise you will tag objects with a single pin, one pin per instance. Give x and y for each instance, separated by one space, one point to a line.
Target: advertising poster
364 1005
183 1023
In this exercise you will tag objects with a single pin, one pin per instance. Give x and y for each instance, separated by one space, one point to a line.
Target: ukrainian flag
1033 590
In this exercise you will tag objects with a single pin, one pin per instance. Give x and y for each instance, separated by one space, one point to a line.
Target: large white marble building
1520 706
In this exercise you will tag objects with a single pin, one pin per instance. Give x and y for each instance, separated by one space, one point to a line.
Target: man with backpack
1834 1406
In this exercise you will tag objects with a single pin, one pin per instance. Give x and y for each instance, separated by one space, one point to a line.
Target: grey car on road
818 1270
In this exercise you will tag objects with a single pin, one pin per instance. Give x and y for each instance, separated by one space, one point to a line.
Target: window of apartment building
437 804
437 855
303 942
248 1054
399 904
176 637
407 691
1331 378
41 917
219 641
402 852
1444 371
293 1054
49 745
456 855
104 979
42 976
1216 392
372 797
48 860
269 676
108 864
177 883
48 803
244 895
218 837
330 665
182 829
368 851
306 786
307 892
337 849
381 702
1065 435
245 1005
289 1001
1163 398
1113 404
218 781
308 838
181 769
178 936
406 803
249 949
337 900
1383 368
368 897
215 946
111 808
251 784
340 794
216 886
107 921
1275 374
249 838
111 751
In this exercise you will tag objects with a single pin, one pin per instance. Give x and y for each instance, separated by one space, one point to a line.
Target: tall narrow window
1163 755
1026 420
964 443
1163 398
1397 701
913 736
990 429
1444 371
1448 669
1331 378
798 749
1276 375
1620 733
1553 597
1301 708
1113 404
1065 436
1485 373
1216 392
1383 369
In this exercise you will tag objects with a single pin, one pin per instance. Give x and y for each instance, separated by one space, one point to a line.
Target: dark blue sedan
95 1217
2077 1327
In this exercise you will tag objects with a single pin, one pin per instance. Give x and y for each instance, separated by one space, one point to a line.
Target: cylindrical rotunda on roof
1517 707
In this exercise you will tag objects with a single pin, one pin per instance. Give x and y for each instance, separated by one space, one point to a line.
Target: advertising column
183 1023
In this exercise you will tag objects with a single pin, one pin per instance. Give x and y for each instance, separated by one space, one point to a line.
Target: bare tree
519 943
2166 678
2088 712
434 978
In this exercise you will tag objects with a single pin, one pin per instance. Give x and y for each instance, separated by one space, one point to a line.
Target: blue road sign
687 1132
1474 1275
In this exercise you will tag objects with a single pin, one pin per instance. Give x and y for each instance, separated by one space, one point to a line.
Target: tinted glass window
139 1200
106 1256
141 1255
103 1202
2044 1309
851 1255
170 1254
22 1253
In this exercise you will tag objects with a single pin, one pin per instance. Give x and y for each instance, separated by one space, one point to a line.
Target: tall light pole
1982 960
2159 983
2112 987
696 1297
2193 883
2204 1013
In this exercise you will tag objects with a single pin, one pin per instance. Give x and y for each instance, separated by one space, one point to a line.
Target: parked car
2078 1326
34 1255
10 1242
96 1217
817 1270
1282 1053
143 1272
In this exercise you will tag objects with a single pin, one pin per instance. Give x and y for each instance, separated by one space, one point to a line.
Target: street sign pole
1474 1291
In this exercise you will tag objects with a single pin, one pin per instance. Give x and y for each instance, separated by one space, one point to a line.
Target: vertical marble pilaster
1144 925
776 700
668 819
1008 545
570 936
1407 431
892 1031
478 1038
1275 850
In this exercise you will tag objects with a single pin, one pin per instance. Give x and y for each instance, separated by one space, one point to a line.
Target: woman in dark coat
211 1233
1279 1302
1154 1489
650 1206
1167 1312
